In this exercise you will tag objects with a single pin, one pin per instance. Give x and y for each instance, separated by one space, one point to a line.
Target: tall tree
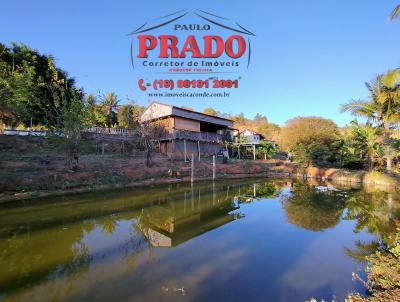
73 120
32 87
129 116
309 139
110 105
361 144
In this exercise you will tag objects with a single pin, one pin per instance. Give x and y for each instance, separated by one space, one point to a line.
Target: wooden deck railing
195 136
110 131
94 130
176 134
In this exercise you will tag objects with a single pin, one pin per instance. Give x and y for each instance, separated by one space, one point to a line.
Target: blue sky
308 56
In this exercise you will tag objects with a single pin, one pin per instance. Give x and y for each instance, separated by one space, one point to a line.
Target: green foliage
267 190
31 86
259 191
129 116
310 140
109 106
360 145
73 118
266 149
382 109
244 140
384 272
314 153
15 88
383 104
391 78
374 211
394 248
100 118
311 209
301 154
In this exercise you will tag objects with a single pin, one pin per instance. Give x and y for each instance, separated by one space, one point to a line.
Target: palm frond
395 13
359 108
391 78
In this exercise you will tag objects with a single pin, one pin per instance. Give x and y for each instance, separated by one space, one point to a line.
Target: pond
252 240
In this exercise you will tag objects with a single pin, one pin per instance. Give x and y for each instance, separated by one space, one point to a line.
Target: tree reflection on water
44 242
377 212
311 209
373 210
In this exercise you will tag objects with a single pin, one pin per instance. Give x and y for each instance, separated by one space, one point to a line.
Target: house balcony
194 136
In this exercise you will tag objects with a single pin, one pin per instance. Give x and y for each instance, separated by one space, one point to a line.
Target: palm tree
395 13
371 143
365 141
91 100
382 108
110 105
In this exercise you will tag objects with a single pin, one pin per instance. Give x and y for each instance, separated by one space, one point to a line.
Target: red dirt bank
31 167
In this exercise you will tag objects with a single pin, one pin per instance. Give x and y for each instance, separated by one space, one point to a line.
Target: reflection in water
47 239
169 222
313 209
105 246
376 212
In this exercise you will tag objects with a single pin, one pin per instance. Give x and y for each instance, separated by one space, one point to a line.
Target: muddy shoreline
340 177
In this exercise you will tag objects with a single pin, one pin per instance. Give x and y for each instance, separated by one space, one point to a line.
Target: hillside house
188 132
249 136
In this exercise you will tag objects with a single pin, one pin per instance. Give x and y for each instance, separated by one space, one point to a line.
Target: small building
188 132
250 137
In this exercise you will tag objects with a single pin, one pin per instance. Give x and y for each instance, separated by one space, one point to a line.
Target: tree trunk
370 162
148 158
388 155
388 150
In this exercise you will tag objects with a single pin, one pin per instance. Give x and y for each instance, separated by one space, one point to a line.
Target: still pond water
232 241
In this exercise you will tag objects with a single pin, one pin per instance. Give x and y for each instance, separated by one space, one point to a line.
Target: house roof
157 110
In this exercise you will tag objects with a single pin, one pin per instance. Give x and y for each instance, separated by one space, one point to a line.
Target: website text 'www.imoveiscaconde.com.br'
190 94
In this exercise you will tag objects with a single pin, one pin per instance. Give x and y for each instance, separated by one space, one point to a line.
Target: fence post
192 170
254 152
184 149
198 147
213 167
